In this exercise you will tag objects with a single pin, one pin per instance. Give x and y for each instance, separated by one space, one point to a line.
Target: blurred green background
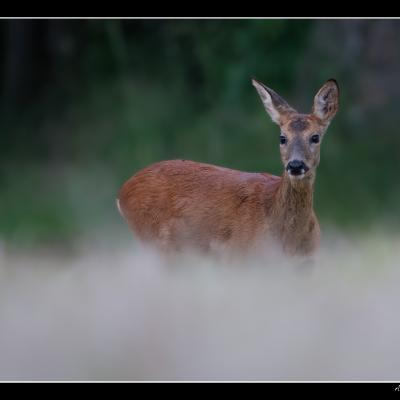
86 103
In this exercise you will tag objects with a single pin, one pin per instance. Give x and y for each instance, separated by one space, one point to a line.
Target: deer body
181 203
184 204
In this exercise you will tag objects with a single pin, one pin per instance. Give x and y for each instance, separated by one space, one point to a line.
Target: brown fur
299 124
183 203
178 204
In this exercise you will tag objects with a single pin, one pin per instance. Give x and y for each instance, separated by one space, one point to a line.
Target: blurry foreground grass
121 312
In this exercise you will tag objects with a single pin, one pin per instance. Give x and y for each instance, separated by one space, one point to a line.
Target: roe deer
180 203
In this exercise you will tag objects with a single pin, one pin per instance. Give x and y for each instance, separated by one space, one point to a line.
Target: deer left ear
326 101
275 105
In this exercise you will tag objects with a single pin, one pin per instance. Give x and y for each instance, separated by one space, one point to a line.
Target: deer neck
293 206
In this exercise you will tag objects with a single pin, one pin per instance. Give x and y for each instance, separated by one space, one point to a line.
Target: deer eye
282 139
314 139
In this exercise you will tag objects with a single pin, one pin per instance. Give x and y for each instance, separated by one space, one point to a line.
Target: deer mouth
297 173
297 169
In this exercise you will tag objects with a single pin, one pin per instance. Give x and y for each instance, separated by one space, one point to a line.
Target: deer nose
297 167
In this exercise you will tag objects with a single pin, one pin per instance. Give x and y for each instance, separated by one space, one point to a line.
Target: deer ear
276 107
326 101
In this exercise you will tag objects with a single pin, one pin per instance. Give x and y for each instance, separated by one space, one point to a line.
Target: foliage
99 99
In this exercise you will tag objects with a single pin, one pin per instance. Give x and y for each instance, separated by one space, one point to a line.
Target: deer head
301 134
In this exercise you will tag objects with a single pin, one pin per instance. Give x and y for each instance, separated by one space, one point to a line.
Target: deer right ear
326 101
276 107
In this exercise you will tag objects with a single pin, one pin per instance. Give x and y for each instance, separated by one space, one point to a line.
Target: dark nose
297 167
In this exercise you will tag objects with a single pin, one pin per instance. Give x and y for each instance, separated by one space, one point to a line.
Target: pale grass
119 312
